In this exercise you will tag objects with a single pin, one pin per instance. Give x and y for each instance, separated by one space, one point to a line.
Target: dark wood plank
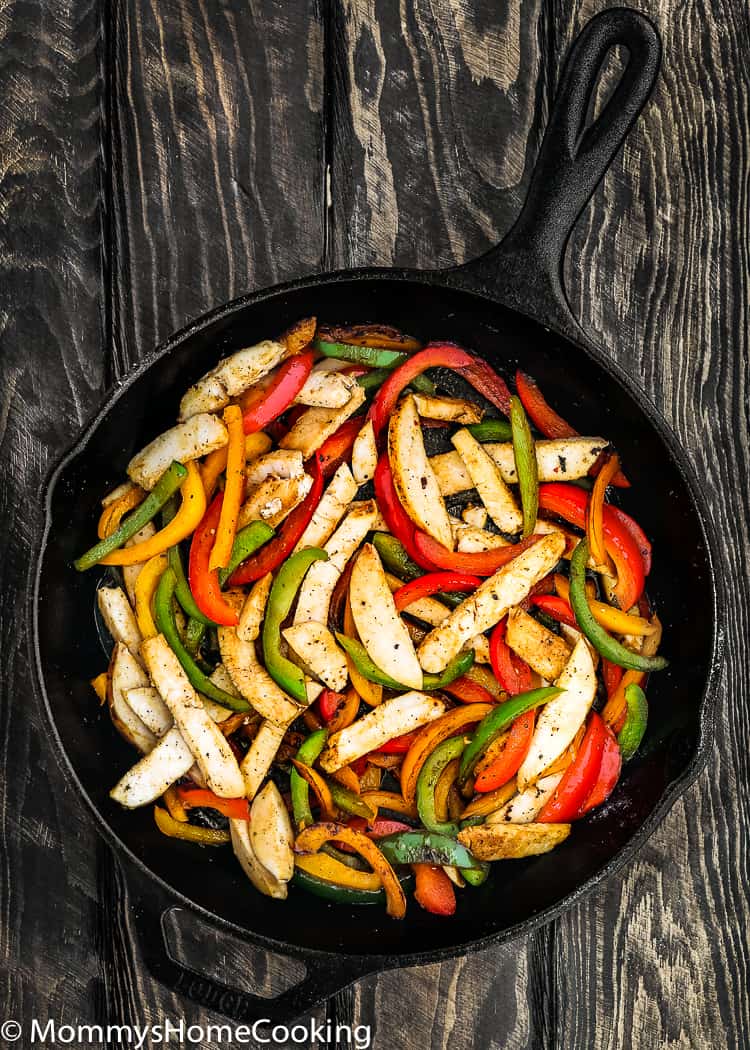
217 158
658 271
51 373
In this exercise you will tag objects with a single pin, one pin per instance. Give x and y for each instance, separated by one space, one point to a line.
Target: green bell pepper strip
374 380
426 847
370 670
165 488
246 542
395 559
476 876
283 592
630 736
371 356
331 891
429 775
491 430
194 633
165 621
524 453
603 642
308 752
493 724
347 801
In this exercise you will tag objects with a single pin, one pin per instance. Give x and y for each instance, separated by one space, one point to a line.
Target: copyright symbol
11 1030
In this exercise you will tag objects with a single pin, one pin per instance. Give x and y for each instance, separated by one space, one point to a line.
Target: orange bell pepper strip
233 490
192 509
313 837
508 762
615 709
595 512
430 736
345 713
113 513
433 890
390 800
482 805
321 790
233 808
614 620
99 685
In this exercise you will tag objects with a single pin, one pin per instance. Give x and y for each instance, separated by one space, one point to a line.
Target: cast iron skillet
510 307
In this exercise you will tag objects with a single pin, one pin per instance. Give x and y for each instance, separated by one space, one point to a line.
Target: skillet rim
455 280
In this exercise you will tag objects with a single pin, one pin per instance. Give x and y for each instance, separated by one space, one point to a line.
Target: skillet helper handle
525 269
326 975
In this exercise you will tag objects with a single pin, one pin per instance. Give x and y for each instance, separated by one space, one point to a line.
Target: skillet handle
525 269
325 974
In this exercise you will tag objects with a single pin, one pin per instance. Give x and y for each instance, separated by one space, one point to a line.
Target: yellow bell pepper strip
524 453
320 786
234 489
630 736
614 620
392 801
283 592
175 808
429 736
165 621
443 791
99 685
348 778
322 866
458 666
482 805
427 781
595 513
175 829
185 521
145 588
113 513
604 643
308 751
500 718
212 468
168 483
311 839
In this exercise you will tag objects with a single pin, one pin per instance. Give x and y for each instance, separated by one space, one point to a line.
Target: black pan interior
680 587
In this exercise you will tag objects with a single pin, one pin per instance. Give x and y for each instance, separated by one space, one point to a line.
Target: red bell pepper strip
569 502
547 421
204 582
609 774
399 745
434 890
513 673
612 675
380 827
480 563
233 808
555 607
469 692
267 405
337 447
434 583
270 556
579 778
396 518
508 762
438 355
329 702
638 535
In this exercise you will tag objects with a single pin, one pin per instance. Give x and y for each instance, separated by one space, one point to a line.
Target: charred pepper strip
164 616
166 486
370 670
493 724
429 775
603 642
630 736
308 752
283 592
426 847
524 453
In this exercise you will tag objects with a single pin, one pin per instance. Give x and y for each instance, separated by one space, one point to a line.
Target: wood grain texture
161 157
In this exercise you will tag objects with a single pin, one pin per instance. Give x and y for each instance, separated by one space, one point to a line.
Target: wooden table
161 157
